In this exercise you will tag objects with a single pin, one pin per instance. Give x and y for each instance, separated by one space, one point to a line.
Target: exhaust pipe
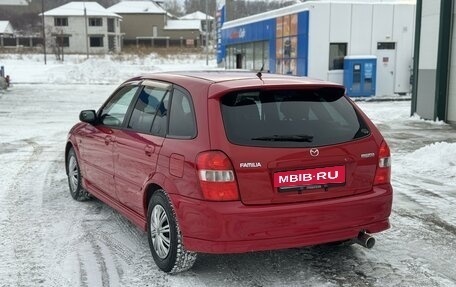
365 240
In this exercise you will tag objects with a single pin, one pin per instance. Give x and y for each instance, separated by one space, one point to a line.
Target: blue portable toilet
360 73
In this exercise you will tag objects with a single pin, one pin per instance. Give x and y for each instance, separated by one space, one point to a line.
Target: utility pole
86 32
44 30
207 34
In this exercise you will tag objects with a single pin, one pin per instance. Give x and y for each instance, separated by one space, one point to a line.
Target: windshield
291 118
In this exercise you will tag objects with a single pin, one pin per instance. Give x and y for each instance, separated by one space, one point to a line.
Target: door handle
108 140
149 150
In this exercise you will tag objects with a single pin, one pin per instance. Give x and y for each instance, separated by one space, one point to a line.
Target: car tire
74 178
165 238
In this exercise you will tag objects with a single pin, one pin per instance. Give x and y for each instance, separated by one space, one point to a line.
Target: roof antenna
259 74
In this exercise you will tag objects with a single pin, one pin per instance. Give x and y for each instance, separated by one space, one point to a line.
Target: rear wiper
285 138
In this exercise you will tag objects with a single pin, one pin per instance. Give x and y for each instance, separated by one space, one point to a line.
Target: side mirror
88 116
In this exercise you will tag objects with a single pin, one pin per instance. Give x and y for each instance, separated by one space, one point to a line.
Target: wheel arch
68 146
157 182
150 189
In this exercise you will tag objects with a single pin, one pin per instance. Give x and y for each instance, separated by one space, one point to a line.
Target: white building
434 95
78 26
313 38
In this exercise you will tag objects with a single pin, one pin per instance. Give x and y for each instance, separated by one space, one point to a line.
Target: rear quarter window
182 119
291 118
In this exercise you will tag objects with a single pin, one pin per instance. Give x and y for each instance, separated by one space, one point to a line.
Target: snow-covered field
48 239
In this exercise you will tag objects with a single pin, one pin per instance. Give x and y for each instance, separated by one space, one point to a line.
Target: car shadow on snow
317 264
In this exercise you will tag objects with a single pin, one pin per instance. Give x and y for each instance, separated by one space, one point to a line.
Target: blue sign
220 46
258 31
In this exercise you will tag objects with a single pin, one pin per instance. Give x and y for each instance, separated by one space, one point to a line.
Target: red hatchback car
231 162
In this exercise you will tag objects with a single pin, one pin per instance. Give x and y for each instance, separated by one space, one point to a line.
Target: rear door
138 145
297 145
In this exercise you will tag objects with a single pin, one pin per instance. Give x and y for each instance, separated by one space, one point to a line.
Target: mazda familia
231 162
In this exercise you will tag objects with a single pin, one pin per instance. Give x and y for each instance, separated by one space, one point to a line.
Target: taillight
383 173
216 176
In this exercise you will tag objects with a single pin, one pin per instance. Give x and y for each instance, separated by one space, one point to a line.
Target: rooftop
77 9
183 25
137 7
6 28
198 15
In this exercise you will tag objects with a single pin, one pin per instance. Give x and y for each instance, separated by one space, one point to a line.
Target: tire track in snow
100 259
432 196
82 272
418 247
63 228
110 254
128 252
23 250
91 227
82 244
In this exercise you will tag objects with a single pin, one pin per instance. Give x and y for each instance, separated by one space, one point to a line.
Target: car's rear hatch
297 145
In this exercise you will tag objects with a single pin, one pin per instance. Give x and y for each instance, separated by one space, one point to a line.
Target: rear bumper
231 227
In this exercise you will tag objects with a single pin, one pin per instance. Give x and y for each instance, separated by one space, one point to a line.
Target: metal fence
14 42
31 42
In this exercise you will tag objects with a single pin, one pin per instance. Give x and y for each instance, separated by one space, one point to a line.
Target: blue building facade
278 45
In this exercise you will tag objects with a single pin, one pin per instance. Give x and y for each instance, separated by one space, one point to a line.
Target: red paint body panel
135 158
232 227
294 241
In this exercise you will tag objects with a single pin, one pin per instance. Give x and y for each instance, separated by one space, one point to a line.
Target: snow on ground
97 69
48 239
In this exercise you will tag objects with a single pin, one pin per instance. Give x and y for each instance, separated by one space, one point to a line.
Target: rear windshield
291 118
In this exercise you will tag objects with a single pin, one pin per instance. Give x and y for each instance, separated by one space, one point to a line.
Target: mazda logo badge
314 152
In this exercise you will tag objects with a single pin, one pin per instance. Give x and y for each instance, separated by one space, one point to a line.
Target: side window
150 107
182 118
113 113
337 52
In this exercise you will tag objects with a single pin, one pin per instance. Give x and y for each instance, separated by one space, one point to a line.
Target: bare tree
191 6
236 9
173 7
55 41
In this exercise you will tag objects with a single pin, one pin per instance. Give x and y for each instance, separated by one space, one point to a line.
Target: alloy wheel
160 231
73 173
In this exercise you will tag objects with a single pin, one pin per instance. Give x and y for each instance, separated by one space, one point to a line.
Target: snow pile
426 161
92 71
100 69
416 117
